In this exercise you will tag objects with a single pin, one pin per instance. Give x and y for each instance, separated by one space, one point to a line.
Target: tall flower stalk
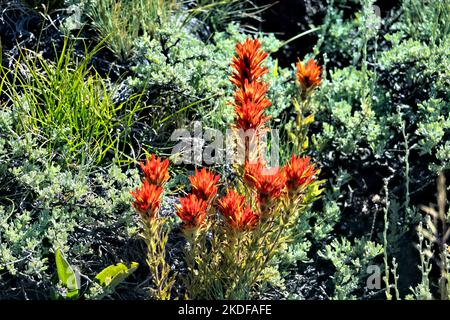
308 77
250 101
275 195
155 230
196 213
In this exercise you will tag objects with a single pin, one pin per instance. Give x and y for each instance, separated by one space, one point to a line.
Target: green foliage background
380 135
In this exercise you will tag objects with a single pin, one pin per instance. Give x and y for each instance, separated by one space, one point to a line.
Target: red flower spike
231 203
147 199
155 170
309 76
204 184
237 214
250 104
299 173
192 211
247 63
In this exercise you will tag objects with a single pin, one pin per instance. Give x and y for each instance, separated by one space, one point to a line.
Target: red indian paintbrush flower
247 63
247 219
192 211
268 183
231 203
204 184
147 199
236 212
299 173
252 171
270 186
155 170
309 76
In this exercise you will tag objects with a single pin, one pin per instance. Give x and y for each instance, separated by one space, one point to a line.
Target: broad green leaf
67 275
297 106
112 276
308 120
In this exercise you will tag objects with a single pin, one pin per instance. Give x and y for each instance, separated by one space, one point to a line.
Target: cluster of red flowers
269 185
250 102
194 207
147 198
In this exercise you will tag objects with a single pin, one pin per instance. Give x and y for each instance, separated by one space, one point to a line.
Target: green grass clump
69 106
122 21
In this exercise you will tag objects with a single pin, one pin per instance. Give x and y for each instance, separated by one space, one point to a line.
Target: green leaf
67 275
275 69
112 276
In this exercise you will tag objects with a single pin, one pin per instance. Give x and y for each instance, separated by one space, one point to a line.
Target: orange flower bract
156 171
247 63
309 76
192 211
252 171
254 92
147 199
236 212
269 183
299 173
204 184
270 186
250 104
250 116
